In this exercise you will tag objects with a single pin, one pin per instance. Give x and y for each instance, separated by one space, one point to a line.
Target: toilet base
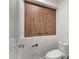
43 58
64 57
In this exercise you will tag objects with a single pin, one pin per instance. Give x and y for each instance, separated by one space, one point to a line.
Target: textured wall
13 28
63 21
13 19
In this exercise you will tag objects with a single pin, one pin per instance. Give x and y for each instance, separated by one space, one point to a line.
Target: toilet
61 53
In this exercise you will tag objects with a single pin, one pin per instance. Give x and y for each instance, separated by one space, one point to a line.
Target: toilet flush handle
35 45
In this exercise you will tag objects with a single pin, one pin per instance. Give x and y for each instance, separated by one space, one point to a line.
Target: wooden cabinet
39 20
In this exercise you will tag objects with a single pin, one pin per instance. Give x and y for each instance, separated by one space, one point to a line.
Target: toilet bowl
54 54
61 53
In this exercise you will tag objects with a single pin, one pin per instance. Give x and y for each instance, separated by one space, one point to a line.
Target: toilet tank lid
63 43
54 54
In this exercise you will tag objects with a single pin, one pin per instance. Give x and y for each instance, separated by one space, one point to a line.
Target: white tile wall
12 49
44 45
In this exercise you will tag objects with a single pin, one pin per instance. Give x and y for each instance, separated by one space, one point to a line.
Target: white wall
44 45
53 3
13 28
63 21
13 19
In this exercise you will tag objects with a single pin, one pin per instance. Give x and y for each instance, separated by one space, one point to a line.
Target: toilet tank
64 47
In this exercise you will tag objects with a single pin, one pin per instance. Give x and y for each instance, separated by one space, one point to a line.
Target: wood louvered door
39 20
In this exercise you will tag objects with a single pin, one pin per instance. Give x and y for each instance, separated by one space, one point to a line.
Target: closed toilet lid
54 54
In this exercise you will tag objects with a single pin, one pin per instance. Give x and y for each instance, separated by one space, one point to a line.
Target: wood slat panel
39 20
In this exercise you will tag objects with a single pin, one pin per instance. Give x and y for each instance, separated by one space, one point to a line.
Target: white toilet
61 53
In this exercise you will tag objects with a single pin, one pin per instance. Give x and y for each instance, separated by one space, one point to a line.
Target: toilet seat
54 54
